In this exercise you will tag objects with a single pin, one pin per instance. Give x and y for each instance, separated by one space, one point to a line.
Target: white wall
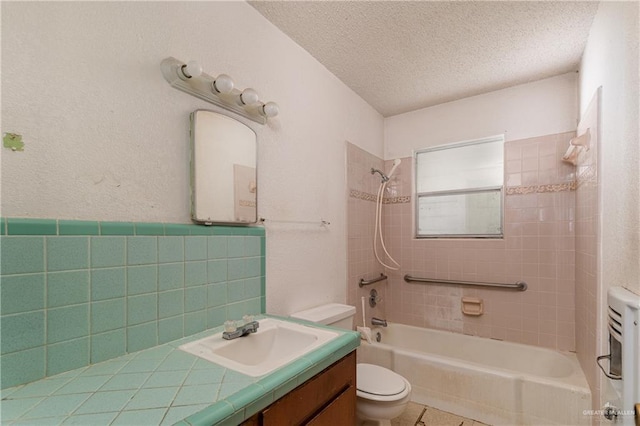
610 60
106 138
539 108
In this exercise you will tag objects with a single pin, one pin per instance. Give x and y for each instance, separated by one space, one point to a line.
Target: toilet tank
333 314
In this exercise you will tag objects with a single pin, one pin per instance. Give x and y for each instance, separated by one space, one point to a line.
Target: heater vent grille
615 323
623 324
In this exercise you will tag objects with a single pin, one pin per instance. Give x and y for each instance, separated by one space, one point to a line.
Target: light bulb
192 69
270 109
248 97
222 84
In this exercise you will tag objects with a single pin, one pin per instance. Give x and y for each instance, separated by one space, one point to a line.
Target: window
459 189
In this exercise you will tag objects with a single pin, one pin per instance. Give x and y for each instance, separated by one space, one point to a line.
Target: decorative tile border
397 200
28 226
354 193
540 189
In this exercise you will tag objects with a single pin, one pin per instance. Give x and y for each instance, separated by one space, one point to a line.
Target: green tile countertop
163 386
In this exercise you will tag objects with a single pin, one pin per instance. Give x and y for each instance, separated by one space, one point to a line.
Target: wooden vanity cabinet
328 398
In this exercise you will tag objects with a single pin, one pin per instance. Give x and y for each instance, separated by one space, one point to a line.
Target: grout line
184 285
90 301
419 422
157 291
46 304
126 295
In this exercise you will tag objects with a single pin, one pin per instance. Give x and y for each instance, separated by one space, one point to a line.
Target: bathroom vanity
166 385
327 398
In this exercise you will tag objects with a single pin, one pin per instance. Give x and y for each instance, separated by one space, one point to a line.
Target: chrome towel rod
321 222
520 285
364 282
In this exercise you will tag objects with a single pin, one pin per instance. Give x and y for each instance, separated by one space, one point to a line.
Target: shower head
385 178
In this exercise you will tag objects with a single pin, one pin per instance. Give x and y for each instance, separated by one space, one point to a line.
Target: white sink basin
275 344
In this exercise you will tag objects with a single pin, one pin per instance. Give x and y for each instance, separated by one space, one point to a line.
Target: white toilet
381 393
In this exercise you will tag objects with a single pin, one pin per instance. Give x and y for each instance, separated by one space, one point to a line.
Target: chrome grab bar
520 285
364 282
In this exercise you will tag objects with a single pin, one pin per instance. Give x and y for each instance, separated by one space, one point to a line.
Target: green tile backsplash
22 293
108 345
75 293
67 355
67 288
67 253
21 255
22 331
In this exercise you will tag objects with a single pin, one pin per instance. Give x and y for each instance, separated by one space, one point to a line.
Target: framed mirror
224 183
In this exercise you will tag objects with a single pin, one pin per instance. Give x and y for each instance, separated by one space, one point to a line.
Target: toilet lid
378 380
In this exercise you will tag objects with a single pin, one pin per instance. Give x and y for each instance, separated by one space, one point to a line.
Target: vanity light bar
219 91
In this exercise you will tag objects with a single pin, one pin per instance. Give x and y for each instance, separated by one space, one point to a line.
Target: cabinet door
341 411
301 404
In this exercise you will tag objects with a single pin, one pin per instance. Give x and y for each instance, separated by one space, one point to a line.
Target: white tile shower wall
538 248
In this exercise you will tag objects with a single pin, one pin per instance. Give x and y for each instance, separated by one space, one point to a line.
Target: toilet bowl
381 393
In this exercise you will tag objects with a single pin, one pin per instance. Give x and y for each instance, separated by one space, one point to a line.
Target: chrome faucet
248 328
378 321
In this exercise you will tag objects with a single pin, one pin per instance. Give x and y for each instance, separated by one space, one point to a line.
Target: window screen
459 189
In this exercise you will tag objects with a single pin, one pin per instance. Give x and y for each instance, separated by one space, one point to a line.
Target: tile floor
413 416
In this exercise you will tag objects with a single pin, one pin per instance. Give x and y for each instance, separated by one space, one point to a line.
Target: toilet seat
380 384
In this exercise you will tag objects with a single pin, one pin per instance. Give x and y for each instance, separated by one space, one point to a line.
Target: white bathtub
495 382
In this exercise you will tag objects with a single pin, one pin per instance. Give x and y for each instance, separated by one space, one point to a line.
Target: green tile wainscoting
74 293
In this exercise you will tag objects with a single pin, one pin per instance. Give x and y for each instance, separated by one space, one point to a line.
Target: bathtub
494 382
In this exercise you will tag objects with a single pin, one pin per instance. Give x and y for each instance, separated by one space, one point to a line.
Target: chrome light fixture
248 97
220 91
190 70
222 84
270 109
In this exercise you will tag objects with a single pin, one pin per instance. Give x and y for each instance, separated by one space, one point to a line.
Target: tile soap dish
472 306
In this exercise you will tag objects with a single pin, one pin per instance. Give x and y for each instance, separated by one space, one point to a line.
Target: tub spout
378 321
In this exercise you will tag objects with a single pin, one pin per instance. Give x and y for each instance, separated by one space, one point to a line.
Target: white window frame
470 190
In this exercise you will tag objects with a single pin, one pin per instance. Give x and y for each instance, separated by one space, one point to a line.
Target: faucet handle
230 326
374 299
247 318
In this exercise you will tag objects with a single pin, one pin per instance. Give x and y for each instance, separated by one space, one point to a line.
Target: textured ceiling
404 55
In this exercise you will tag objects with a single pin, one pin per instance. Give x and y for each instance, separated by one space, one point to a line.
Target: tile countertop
163 386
